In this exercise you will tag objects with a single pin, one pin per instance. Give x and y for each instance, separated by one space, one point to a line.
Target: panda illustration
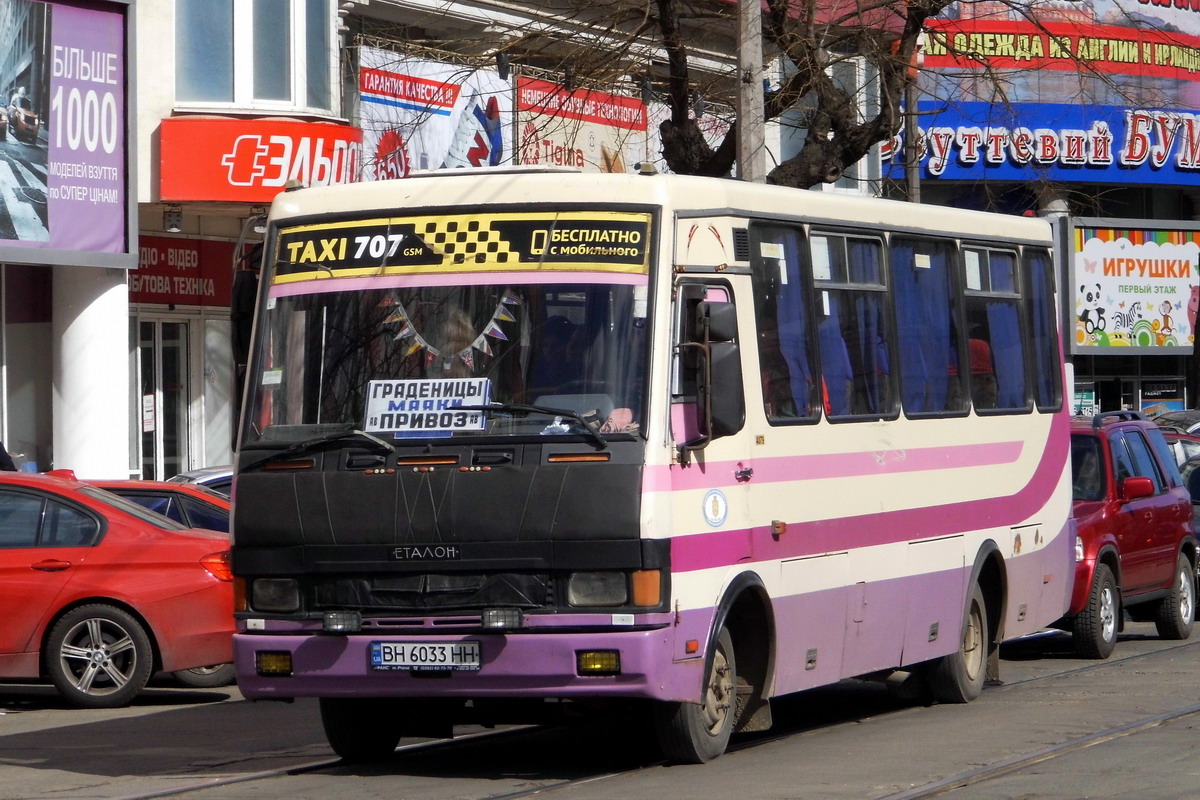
1092 315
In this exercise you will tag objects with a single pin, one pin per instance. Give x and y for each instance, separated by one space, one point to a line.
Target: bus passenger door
713 469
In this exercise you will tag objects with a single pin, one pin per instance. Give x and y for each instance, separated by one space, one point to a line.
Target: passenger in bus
456 338
983 374
983 377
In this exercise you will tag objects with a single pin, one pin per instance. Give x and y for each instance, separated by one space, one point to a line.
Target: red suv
1134 550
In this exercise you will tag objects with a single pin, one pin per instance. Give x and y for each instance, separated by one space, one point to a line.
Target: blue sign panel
1044 141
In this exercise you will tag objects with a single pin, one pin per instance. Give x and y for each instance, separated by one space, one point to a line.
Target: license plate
425 656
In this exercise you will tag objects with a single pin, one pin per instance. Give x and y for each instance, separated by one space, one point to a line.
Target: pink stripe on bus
834 465
481 278
722 548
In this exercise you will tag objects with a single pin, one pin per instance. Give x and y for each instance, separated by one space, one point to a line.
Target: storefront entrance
163 379
1149 395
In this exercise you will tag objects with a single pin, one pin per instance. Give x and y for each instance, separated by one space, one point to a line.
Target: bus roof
684 195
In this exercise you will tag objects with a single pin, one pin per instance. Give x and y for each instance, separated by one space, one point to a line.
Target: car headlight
275 594
597 589
1078 547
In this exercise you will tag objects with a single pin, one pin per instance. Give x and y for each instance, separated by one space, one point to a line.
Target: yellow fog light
272 662
598 662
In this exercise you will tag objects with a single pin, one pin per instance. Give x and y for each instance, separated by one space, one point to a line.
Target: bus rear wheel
360 730
696 733
958 677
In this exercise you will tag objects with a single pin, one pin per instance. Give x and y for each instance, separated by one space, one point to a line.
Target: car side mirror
1136 487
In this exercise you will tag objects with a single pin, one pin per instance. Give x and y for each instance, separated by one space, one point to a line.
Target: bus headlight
275 594
597 589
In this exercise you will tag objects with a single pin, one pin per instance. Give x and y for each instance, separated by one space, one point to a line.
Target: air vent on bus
741 244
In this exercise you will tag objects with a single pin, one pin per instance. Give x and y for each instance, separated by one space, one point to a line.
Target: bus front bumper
511 665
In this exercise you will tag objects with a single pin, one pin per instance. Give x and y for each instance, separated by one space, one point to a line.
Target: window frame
243 66
1016 296
45 499
766 293
956 309
850 287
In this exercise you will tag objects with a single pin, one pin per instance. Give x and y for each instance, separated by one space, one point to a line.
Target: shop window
257 54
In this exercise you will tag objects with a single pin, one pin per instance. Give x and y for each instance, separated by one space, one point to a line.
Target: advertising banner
1103 91
1120 50
63 174
251 160
192 272
1046 141
608 241
418 114
1134 288
594 131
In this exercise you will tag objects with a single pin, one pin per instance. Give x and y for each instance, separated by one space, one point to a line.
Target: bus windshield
397 360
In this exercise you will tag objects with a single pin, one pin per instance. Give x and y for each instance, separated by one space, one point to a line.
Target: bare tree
686 49
811 38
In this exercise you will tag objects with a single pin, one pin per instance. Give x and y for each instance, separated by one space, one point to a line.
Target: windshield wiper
590 426
319 441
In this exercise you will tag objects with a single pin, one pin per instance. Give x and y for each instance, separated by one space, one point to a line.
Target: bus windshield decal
472 242
426 406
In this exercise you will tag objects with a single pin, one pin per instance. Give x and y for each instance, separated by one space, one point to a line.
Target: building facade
66 233
119 281
1088 110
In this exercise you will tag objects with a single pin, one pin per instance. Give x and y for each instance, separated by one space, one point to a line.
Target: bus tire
1094 630
958 677
360 730
1177 611
696 733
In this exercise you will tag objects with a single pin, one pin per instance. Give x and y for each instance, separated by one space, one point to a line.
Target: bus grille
432 592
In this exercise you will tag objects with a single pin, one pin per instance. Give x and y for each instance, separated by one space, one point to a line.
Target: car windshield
395 361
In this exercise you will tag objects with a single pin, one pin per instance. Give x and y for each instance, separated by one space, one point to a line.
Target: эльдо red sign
252 160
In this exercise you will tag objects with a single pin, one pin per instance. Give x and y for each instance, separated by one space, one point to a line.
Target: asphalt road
1128 725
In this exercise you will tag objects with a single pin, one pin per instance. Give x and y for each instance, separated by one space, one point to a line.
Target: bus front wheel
958 677
360 730
696 733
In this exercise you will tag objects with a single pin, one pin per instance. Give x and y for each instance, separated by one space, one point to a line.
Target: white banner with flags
420 114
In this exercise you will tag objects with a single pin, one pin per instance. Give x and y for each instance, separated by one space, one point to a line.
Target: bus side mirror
720 406
722 394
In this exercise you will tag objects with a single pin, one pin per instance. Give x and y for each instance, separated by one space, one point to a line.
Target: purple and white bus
520 441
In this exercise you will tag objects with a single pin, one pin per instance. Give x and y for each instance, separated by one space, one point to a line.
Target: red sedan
97 593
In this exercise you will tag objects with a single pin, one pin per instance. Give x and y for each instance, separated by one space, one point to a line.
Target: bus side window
931 380
1047 373
782 311
995 338
853 330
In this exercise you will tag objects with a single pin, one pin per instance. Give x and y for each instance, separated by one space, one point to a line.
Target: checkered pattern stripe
466 242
